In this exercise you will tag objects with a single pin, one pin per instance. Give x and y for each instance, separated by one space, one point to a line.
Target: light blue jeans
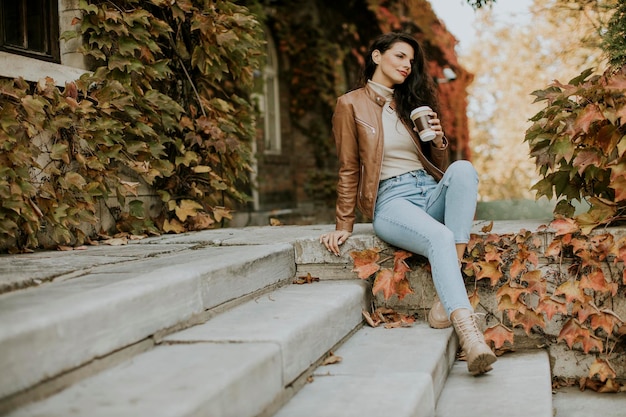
415 213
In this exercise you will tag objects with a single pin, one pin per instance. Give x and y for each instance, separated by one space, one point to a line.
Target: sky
458 16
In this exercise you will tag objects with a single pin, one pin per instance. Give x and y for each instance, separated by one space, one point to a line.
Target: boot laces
469 328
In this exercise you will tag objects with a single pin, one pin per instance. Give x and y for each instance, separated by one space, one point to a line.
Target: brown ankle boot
479 354
438 317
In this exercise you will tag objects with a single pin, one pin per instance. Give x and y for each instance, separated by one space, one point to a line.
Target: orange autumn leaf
603 369
535 282
489 270
365 262
596 281
605 319
554 249
487 228
572 331
512 308
517 267
384 282
584 310
499 334
528 319
564 226
571 291
591 342
602 245
403 288
493 254
551 307
513 292
399 266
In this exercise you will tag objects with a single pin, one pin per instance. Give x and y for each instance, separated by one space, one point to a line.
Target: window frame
50 32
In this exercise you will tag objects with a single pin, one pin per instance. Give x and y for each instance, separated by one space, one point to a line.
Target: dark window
30 27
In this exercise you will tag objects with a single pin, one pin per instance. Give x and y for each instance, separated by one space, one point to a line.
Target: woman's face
394 65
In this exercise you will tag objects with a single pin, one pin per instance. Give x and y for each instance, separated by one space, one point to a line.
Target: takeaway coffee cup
420 117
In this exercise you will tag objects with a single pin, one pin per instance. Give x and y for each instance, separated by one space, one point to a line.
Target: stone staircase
210 324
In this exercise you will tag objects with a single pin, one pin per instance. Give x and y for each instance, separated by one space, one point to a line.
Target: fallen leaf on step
368 318
331 359
308 279
487 228
116 241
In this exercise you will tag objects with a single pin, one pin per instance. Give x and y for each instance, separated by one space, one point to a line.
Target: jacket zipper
367 125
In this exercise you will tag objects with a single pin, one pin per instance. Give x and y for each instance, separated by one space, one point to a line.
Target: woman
402 183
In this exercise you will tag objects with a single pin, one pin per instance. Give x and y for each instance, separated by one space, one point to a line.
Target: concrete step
383 372
60 326
520 385
239 363
572 402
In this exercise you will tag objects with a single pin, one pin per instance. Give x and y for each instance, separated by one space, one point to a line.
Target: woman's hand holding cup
427 125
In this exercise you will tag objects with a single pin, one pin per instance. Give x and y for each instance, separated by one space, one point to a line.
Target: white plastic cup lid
421 109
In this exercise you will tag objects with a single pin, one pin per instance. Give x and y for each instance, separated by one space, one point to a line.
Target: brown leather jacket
357 130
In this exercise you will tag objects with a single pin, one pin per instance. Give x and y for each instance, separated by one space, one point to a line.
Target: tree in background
614 41
509 62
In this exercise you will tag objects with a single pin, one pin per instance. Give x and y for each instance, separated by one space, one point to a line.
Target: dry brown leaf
487 228
308 279
331 359
118 241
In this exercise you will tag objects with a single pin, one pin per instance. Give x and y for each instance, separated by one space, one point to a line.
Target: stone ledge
314 259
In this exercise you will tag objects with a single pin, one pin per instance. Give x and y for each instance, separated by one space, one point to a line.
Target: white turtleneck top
400 153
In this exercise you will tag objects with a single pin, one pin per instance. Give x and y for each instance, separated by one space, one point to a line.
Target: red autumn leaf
403 288
494 238
535 282
603 369
571 291
551 307
513 292
399 266
584 159
579 245
554 249
596 281
584 310
590 114
499 334
602 245
365 262
490 270
384 282
572 331
564 226
528 319
493 254
616 82
606 319
591 342
517 267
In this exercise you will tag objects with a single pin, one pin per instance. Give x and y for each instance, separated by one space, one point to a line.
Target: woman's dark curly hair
418 89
